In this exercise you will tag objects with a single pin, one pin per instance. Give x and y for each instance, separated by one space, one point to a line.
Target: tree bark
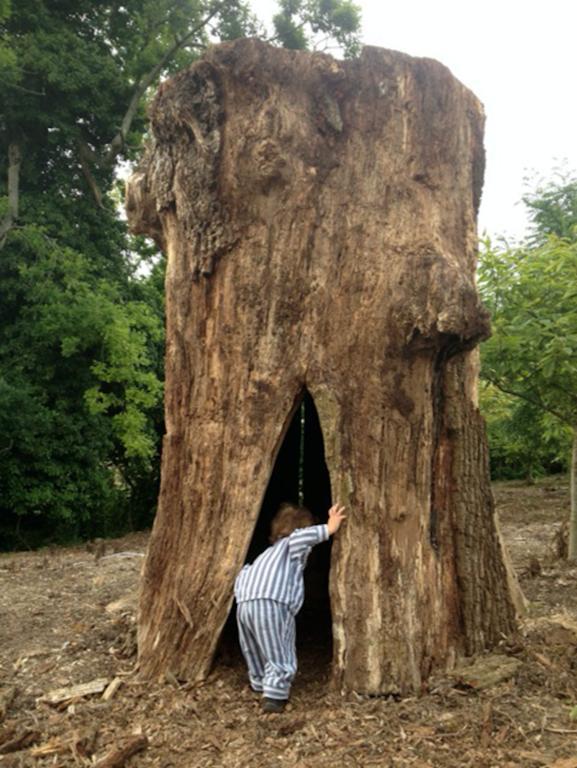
14 164
87 158
572 549
319 222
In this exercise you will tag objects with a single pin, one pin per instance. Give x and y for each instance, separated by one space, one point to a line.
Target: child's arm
304 539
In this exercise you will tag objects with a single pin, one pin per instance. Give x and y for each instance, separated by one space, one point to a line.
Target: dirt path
68 617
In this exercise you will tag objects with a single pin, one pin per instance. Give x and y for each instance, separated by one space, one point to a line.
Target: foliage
522 445
532 297
81 313
318 23
235 20
531 359
553 208
79 390
7 58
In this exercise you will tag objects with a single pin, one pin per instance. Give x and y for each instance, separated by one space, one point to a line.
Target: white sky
518 57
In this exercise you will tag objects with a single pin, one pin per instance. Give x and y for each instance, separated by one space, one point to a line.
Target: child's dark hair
288 518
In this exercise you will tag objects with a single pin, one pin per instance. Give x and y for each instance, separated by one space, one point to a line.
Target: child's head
288 518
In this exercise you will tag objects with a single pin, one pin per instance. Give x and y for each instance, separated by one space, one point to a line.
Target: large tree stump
319 218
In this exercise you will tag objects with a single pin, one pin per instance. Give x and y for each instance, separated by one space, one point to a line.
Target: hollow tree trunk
319 222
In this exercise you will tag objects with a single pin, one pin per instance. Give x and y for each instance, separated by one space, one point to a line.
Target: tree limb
535 371
118 142
87 158
534 401
14 164
25 90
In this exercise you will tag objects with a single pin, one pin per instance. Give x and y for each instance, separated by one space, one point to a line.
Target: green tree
318 24
81 336
522 443
79 392
552 208
79 72
531 292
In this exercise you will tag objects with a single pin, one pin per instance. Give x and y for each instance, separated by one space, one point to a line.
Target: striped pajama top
277 573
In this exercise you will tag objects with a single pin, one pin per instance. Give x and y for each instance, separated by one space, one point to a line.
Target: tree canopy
318 23
81 334
531 291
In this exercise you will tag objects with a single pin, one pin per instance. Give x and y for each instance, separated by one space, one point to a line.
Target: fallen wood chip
123 554
119 756
6 698
543 660
32 654
83 742
561 628
538 757
487 725
128 602
23 740
112 689
564 762
74 691
561 730
565 620
7 732
80 743
486 671
53 747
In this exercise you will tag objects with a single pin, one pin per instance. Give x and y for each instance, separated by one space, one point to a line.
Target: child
270 593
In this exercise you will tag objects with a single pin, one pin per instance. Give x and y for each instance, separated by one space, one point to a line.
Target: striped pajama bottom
267 639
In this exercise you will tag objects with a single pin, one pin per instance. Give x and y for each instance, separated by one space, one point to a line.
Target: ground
68 617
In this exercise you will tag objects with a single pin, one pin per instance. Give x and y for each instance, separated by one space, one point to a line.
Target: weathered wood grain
319 221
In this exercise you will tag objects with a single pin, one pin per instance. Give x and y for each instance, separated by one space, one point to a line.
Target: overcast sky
518 57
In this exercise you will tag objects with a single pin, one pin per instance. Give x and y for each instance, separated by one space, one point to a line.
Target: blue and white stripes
266 632
269 593
277 574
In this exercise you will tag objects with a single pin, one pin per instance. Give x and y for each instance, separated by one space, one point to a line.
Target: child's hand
336 517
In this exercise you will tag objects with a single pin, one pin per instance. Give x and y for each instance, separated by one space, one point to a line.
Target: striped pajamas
266 631
270 593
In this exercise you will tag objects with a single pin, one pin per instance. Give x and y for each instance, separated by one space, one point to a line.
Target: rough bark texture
319 222
572 548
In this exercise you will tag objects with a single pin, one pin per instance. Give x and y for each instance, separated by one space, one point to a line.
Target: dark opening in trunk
300 476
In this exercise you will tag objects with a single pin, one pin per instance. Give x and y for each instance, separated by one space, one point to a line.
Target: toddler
270 593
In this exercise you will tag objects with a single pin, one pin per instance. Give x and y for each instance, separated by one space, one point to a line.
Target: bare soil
68 617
